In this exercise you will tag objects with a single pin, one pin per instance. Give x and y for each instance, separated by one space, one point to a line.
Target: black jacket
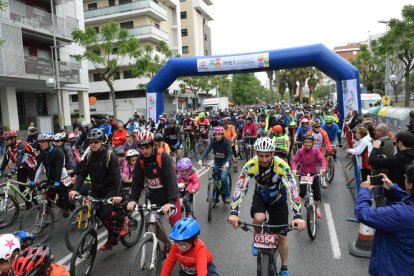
106 180
162 183
52 160
396 166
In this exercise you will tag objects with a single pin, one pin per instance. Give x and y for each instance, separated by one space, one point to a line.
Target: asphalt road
326 255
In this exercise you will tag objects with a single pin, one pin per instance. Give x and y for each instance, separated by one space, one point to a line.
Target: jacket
393 246
230 133
396 166
363 150
221 149
121 135
127 170
191 180
308 160
52 160
250 130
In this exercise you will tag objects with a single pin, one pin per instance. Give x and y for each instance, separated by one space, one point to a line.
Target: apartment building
30 31
151 21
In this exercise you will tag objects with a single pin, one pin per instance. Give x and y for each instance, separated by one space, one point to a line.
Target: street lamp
387 58
393 78
51 84
174 92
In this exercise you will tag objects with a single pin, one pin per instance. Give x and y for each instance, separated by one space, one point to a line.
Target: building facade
38 48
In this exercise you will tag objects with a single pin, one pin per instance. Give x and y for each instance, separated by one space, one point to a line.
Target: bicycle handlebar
285 227
94 200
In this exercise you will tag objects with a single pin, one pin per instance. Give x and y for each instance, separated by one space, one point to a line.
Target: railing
34 18
68 71
147 31
144 4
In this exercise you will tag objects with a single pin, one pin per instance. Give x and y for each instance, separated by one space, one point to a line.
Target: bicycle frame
10 185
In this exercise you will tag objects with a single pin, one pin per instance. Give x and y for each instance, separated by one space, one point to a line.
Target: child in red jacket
188 184
193 256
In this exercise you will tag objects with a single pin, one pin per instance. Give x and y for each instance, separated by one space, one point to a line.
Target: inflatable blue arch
318 55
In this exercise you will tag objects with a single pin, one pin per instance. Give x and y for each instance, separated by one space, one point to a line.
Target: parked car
101 117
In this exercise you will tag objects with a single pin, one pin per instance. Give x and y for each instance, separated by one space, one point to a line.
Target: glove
33 184
56 184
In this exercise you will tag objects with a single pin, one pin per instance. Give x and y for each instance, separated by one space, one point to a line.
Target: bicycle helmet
45 137
184 164
83 124
185 229
33 261
158 137
10 134
119 152
264 144
317 111
8 244
31 129
131 152
71 136
172 121
316 122
145 137
59 136
308 136
292 124
328 119
249 118
218 130
201 115
95 133
278 117
305 120
277 129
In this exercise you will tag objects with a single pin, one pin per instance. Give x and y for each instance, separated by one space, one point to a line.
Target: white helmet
131 152
59 136
8 244
264 144
45 137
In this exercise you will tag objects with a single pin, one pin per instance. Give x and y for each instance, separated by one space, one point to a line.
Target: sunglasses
94 142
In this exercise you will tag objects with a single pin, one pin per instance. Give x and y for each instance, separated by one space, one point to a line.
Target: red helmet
10 134
145 137
277 129
32 261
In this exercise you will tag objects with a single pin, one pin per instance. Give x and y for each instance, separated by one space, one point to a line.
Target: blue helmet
185 229
278 117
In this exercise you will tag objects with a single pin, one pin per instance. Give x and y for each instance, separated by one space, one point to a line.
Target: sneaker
227 200
235 168
107 246
324 185
318 213
66 213
283 273
215 202
124 228
254 251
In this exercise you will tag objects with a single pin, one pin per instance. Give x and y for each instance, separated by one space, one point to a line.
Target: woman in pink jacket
127 166
188 184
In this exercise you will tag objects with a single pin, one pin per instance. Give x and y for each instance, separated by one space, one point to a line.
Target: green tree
224 86
399 41
322 91
247 89
314 78
106 51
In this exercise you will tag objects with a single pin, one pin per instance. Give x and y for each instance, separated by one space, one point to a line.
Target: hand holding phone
376 180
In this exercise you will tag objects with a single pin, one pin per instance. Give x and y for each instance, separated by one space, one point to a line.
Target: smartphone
376 180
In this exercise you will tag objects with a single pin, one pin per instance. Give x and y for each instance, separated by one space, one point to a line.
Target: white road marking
336 251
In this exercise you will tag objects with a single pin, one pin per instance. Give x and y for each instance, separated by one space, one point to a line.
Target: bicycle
85 217
309 202
248 148
181 188
215 188
154 246
189 146
240 148
83 258
330 165
267 244
9 206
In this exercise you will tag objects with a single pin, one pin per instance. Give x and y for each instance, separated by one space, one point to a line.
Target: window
354 53
206 52
96 29
74 98
182 0
157 25
184 32
127 25
92 6
204 21
100 96
155 1
185 49
205 37
128 74
97 77
121 2
114 51
117 76
111 3
157 48
183 15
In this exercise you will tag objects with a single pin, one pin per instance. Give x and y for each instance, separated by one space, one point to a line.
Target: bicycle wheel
78 222
229 181
135 226
84 254
330 173
264 263
311 221
141 259
9 210
39 221
210 199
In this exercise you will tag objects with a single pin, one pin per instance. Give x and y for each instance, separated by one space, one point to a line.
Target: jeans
211 271
218 168
2 148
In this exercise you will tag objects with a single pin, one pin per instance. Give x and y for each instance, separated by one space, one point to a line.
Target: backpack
108 157
29 157
76 154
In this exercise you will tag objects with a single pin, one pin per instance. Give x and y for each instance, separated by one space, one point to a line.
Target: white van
369 100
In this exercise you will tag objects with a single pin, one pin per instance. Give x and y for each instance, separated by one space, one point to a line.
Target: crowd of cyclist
116 157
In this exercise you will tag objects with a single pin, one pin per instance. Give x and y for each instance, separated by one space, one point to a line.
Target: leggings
315 187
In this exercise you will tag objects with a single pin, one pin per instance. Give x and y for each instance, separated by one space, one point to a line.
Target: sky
242 26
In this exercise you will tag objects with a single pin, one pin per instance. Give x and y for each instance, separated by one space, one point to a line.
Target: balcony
38 20
144 7
205 10
171 3
149 33
209 2
41 68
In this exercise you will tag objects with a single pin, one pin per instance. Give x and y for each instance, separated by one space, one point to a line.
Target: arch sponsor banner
151 106
228 63
350 96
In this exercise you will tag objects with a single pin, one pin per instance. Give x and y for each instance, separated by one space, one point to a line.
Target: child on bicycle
37 260
281 141
9 249
188 184
193 256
